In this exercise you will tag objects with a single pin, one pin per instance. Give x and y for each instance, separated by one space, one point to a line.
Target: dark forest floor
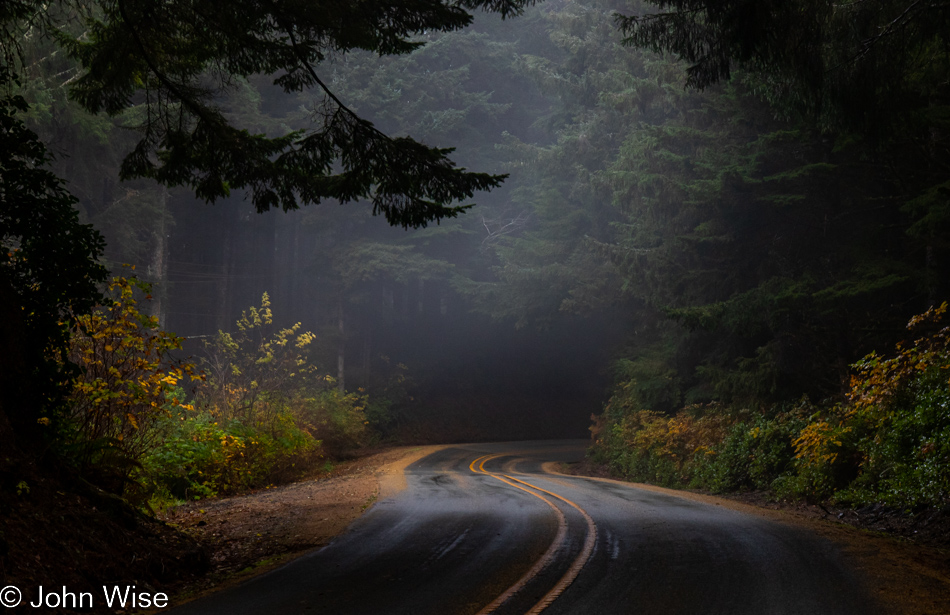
57 531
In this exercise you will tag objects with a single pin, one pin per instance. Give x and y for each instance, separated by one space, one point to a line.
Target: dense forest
703 227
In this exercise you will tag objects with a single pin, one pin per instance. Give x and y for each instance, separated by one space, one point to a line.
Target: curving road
483 528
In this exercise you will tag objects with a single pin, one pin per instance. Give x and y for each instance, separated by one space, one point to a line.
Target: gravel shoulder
255 532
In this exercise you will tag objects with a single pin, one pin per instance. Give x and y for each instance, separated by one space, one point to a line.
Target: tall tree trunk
294 299
930 276
158 270
341 347
224 307
367 352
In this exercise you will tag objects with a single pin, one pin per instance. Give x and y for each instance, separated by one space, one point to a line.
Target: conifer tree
176 60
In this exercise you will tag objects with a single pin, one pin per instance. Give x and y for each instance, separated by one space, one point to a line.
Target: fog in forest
656 245
421 304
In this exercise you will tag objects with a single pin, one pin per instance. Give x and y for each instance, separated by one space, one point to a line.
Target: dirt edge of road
254 533
904 578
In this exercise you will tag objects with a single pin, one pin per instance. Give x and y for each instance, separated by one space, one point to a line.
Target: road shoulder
256 532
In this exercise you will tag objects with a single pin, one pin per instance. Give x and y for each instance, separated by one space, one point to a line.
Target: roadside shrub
649 446
262 378
890 443
202 458
903 403
126 388
255 373
907 448
263 415
338 419
753 454
184 467
633 448
827 457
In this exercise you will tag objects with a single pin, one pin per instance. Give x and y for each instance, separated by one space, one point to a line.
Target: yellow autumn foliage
126 379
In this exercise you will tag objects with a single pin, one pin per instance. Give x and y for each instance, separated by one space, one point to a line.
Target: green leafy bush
264 415
753 454
650 446
202 458
907 453
890 444
338 419
827 457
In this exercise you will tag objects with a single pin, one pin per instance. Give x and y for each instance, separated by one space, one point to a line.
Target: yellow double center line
478 466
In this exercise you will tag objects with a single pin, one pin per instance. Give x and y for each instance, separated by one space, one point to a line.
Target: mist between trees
701 269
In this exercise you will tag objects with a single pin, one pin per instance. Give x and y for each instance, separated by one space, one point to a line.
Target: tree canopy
168 68
865 66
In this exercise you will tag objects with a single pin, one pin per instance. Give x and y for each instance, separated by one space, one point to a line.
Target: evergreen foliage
48 266
862 72
865 66
703 209
176 60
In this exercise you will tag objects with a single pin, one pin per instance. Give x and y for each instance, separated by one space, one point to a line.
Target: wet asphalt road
501 535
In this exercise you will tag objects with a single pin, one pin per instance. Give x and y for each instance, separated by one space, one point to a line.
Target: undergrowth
157 431
887 442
